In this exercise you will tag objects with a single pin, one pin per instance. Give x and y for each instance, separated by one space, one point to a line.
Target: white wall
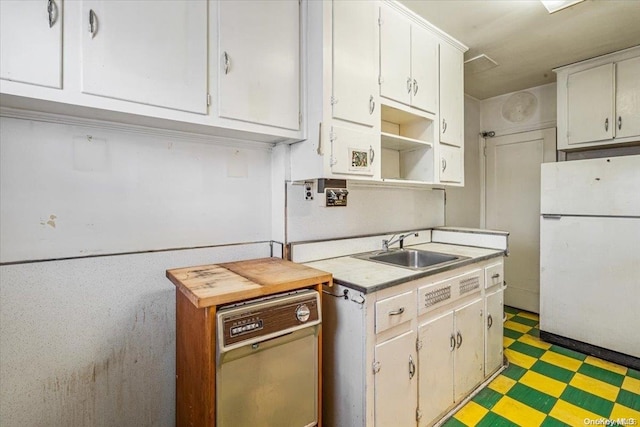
91 340
463 204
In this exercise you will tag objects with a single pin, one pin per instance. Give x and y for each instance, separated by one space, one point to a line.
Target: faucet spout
386 243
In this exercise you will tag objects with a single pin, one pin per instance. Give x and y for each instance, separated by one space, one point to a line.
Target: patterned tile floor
548 385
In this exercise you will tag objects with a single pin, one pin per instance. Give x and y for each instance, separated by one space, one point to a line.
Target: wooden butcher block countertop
217 284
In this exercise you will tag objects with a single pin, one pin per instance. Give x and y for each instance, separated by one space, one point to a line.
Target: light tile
506 341
536 342
621 411
471 413
517 326
571 414
562 361
528 315
594 386
518 412
542 383
502 384
519 359
622 370
631 384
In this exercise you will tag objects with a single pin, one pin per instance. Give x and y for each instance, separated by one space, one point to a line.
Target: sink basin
412 258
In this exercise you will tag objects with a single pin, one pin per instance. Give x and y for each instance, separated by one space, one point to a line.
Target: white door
628 98
590 115
147 52
355 62
451 95
469 354
259 62
493 332
31 42
395 56
396 389
424 70
512 203
435 367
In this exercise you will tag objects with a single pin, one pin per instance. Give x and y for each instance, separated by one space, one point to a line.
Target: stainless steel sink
411 258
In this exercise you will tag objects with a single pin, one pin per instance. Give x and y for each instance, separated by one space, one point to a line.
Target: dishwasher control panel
270 317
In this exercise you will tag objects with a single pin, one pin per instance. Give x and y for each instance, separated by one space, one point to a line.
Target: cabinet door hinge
380 79
375 367
380 22
418 344
299 119
484 151
334 100
208 100
418 414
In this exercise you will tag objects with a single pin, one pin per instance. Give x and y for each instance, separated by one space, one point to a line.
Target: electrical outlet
308 191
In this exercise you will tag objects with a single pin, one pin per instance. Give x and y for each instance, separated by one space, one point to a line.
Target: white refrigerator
590 256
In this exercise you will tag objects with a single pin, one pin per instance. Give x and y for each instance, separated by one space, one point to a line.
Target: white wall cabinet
259 62
451 164
599 101
408 62
420 349
146 53
451 95
31 42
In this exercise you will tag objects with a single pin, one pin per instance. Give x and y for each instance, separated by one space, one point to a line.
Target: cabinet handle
415 87
444 164
372 104
52 11
619 122
412 367
496 276
227 62
489 322
444 125
408 84
458 339
93 23
372 155
396 312
606 124
452 343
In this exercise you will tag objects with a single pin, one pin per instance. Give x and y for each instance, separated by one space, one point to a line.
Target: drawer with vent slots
444 292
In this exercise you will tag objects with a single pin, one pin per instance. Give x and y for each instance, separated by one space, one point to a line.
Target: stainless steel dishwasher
267 369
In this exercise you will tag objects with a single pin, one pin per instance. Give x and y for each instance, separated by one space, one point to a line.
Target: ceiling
526 41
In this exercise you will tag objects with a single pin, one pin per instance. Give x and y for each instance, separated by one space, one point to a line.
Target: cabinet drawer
434 295
469 283
494 275
394 311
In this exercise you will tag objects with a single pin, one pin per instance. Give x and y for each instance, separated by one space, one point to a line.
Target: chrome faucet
386 243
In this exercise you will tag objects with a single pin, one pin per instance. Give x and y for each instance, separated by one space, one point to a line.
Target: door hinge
418 414
334 100
380 79
484 151
380 22
418 344
299 119
208 100
375 367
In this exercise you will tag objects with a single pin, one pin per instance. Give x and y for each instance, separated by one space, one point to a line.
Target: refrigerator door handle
551 216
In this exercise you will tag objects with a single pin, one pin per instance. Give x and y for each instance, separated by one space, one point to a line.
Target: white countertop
368 276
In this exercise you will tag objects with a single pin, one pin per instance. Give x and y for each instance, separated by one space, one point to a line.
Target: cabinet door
31 42
395 382
628 98
435 367
353 151
493 332
259 62
451 161
355 62
451 95
149 53
424 70
590 113
395 56
469 353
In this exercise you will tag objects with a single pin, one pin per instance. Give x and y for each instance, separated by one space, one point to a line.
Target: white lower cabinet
493 334
406 355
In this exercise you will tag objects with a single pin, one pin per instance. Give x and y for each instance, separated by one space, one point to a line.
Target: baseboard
593 350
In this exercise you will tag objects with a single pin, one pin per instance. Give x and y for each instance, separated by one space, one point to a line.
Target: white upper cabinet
628 98
408 62
451 95
259 62
148 53
355 66
599 101
31 42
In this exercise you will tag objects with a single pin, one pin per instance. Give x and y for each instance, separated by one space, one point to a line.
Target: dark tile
567 352
629 399
601 374
588 401
512 334
452 422
535 332
553 371
514 372
532 398
552 422
524 320
511 310
487 398
527 349
494 420
633 373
